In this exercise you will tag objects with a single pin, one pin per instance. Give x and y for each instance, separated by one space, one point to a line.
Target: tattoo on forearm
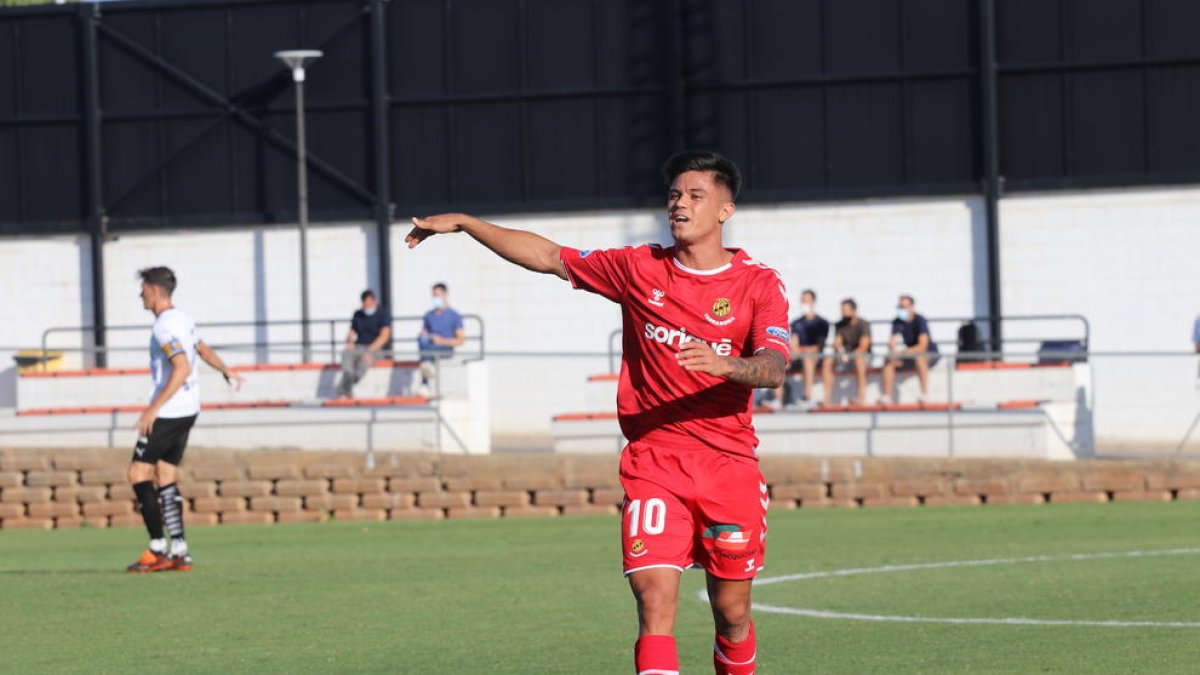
764 369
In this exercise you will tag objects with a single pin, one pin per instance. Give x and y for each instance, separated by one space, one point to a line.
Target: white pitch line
1009 621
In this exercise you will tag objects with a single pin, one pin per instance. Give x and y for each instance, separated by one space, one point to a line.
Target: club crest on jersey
728 537
657 296
637 549
720 309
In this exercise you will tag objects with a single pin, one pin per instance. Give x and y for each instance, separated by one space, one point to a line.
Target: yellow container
37 361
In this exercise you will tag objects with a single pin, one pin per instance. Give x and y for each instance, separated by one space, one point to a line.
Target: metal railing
336 329
1084 337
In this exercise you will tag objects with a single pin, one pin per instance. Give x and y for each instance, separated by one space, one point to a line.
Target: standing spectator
910 347
851 349
1196 334
441 332
370 331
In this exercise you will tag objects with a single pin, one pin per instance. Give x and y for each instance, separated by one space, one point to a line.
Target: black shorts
168 439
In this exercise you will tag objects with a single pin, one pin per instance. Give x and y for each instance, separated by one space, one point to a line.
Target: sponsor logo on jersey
584 254
781 333
677 337
728 537
172 348
657 296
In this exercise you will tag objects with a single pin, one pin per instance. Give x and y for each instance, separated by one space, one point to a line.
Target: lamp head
295 60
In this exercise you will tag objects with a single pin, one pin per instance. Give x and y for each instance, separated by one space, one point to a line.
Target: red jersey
738 309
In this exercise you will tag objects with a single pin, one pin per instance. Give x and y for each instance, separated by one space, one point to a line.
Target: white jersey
174 333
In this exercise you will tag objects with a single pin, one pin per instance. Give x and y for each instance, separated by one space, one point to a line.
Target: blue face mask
439 303
902 314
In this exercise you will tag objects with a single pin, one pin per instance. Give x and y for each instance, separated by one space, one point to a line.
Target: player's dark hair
808 291
851 302
162 277
367 294
439 286
909 298
724 170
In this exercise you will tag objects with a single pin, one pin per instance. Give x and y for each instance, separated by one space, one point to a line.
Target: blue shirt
913 330
445 324
811 332
367 328
1196 331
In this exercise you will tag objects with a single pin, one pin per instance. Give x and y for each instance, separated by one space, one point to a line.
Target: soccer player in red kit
703 326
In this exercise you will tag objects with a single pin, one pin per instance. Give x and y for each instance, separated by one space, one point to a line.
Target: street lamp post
295 60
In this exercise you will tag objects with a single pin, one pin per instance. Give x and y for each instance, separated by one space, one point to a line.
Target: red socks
655 655
734 658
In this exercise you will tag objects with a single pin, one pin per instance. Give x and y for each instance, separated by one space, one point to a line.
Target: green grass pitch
546 596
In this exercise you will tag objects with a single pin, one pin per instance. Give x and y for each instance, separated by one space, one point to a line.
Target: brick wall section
47 489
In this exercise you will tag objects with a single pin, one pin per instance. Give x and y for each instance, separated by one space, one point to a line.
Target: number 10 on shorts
652 521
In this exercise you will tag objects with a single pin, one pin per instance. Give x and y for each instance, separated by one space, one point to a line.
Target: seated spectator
370 331
809 334
441 332
910 348
851 351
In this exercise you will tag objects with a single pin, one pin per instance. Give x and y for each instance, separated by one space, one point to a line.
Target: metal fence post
89 17
382 151
990 140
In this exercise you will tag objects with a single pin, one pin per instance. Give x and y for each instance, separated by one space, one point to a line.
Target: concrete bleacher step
1000 409
266 382
382 424
882 431
985 383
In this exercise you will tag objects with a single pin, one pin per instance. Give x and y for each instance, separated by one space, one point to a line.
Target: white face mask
806 308
439 302
902 314
370 312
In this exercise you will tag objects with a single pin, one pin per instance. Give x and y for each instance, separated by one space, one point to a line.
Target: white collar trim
704 273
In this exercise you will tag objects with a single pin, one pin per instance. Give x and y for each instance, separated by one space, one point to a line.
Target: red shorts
698 507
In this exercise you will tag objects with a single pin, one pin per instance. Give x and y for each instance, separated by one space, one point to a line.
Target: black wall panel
517 105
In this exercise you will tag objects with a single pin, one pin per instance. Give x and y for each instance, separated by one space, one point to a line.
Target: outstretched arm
531 251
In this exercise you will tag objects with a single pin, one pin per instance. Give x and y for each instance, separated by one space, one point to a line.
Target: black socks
147 496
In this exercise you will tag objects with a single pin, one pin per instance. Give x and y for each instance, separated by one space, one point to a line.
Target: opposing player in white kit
164 426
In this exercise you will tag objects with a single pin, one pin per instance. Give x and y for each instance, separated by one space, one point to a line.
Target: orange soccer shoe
180 563
150 562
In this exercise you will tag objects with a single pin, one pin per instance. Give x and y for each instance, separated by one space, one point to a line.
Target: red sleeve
769 327
604 272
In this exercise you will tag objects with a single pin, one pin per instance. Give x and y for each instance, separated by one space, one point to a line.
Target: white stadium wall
1123 258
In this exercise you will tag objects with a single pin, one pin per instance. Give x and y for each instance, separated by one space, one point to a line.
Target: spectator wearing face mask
441 332
809 334
370 331
910 347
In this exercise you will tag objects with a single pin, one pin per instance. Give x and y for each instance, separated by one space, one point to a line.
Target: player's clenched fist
699 357
424 228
